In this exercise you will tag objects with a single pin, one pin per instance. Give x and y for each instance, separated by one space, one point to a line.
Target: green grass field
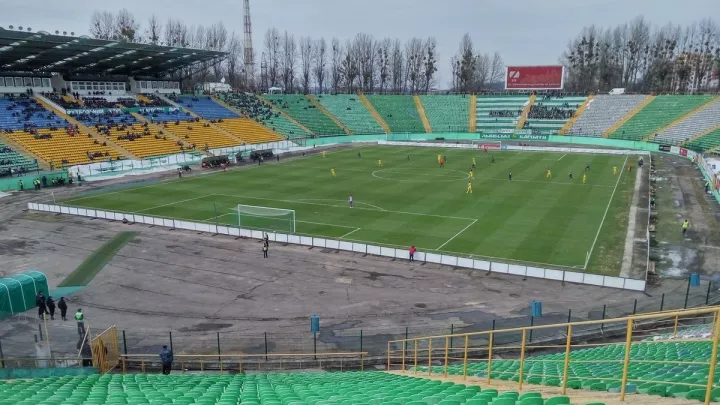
531 219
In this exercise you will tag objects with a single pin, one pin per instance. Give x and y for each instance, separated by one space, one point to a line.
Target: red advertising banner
535 77
683 152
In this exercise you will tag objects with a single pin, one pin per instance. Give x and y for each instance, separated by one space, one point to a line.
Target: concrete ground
205 291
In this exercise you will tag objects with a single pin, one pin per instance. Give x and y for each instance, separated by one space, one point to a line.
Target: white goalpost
480 143
266 218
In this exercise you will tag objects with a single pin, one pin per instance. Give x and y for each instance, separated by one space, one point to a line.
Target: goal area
482 144
266 218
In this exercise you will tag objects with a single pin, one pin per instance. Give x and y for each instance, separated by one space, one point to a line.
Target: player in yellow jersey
324 154
379 163
469 188
548 173
584 178
439 158
332 172
615 170
471 174
474 164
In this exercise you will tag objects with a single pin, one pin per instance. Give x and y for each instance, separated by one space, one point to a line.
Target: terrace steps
577 115
472 123
683 118
374 112
421 112
627 116
526 111
324 110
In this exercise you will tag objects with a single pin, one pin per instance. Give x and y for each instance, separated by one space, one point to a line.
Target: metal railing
410 354
241 362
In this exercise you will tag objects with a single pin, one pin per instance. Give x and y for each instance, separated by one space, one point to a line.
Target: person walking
265 250
412 253
685 226
51 307
62 306
41 304
166 358
80 319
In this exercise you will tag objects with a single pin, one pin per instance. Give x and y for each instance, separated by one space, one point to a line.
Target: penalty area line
456 235
351 232
561 157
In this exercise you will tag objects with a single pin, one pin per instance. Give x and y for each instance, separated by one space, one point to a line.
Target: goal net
266 218
482 144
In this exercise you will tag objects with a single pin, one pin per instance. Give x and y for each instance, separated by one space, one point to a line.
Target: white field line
630 235
561 157
351 232
204 174
456 235
176 202
587 260
304 222
356 202
344 206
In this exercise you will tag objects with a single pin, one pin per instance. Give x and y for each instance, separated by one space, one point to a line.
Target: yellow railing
416 352
523 117
472 117
239 362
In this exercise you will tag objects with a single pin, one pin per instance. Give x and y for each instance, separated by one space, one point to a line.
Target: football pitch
411 200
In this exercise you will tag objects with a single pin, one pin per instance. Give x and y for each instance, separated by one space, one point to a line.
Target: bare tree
365 47
235 62
481 77
289 56
430 63
216 40
497 69
102 25
272 54
414 62
349 66
320 57
176 34
127 29
397 63
336 64
153 31
306 53
383 52
466 65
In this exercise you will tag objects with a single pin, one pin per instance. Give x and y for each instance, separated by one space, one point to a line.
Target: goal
482 144
266 218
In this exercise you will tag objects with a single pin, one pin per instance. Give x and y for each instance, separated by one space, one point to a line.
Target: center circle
424 176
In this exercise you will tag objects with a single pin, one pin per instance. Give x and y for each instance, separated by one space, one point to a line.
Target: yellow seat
249 130
146 146
73 149
201 135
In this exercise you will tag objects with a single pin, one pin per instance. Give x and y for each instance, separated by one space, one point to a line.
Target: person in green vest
21 184
685 226
80 319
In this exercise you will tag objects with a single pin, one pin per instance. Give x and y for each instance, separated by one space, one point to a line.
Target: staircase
84 128
421 112
320 107
627 116
577 115
700 135
521 122
683 118
374 113
473 113
143 98
284 114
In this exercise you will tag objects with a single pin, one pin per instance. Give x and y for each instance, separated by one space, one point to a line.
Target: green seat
558 400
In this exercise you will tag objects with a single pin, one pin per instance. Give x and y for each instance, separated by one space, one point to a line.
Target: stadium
224 229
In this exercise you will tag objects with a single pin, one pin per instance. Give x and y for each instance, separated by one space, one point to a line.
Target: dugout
265 153
18 292
215 161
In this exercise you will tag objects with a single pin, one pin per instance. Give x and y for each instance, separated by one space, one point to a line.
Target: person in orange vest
412 251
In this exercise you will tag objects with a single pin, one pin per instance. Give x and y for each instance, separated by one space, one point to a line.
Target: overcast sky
525 32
